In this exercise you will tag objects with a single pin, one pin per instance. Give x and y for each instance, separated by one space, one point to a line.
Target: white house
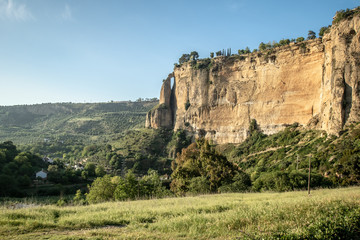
41 174
48 160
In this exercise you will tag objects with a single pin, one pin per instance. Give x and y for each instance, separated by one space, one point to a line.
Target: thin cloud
234 6
67 14
14 11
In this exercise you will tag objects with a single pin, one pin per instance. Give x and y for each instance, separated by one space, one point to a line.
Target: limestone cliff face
161 115
314 83
340 82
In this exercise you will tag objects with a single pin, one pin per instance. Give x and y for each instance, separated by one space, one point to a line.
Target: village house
41 174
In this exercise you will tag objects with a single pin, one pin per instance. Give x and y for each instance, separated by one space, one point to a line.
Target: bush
187 105
101 190
241 183
79 198
300 39
199 185
284 181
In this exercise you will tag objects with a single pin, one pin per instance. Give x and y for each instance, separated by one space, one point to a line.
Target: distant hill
88 122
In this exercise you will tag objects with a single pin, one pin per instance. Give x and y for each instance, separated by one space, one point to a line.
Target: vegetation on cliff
345 14
280 161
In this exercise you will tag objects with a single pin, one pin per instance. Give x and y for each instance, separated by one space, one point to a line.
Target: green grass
326 214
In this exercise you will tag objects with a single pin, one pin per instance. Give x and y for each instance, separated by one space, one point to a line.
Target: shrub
79 198
241 183
324 30
187 105
199 185
101 190
300 39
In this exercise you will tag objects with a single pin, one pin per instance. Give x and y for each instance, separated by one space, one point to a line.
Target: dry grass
291 215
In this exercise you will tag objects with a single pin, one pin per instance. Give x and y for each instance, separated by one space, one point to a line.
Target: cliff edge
314 83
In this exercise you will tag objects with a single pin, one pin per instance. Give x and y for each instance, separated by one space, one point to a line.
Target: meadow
325 214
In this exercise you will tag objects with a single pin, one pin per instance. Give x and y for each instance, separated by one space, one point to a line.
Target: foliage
144 149
184 58
187 105
187 57
194 55
179 140
280 161
300 39
79 198
17 169
128 188
205 63
324 30
284 42
311 35
100 171
201 161
101 190
241 182
244 51
345 14
286 181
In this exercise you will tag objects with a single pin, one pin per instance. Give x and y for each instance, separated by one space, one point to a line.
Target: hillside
281 161
87 122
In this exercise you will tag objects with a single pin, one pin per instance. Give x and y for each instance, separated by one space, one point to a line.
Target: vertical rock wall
314 83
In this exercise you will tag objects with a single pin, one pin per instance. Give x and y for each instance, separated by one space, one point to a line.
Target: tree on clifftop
194 55
184 58
311 35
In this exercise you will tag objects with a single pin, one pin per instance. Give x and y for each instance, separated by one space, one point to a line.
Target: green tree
323 30
101 190
100 171
300 39
284 42
241 182
311 35
199 185
90 168
194 55
262 46
211 55
184 58
201 160
8 185
79 198
151 185
127 188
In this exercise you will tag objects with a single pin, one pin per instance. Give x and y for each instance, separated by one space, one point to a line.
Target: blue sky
103 50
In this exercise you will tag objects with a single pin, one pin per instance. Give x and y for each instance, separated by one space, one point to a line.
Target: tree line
194 55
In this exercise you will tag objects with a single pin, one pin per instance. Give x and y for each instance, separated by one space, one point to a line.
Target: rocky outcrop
161 115
314 83
340 79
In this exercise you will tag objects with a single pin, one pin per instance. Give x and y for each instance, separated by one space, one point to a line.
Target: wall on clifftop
314 83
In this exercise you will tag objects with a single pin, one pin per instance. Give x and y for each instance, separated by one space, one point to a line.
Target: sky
119 50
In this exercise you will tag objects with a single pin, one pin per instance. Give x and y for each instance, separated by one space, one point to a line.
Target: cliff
314 83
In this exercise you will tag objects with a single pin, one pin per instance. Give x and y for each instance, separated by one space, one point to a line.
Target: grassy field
326 214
